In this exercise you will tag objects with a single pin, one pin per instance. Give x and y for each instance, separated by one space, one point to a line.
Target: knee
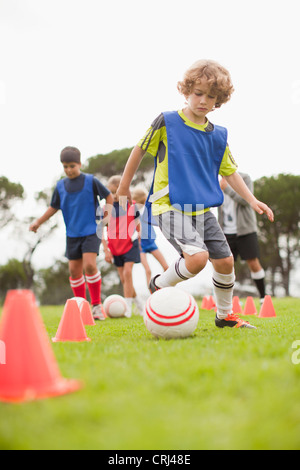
224 266
196 262
127 273
90 269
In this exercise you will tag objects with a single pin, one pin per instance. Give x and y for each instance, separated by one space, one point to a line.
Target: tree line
279 241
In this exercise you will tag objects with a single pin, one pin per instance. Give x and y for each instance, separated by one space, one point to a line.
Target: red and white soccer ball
171 313
115 306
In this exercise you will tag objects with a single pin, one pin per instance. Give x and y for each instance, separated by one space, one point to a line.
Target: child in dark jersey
77 197
190 152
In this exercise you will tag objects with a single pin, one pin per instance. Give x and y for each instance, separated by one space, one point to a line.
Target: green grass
219 389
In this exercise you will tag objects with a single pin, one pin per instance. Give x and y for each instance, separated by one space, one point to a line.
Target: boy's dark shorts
79 245
132 256
246 246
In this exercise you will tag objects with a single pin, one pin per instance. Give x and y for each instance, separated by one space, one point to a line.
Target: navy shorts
245 246
78 245
132 256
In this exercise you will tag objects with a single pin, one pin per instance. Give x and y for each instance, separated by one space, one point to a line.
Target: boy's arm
131 167
46 216
107 210
107 253
238 185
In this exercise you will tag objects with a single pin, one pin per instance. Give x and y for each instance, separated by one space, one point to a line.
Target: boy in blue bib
77 197
190 153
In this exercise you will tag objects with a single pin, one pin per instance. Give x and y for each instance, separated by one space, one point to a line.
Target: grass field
219 389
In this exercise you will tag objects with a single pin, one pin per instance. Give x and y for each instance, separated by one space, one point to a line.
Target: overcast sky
94 74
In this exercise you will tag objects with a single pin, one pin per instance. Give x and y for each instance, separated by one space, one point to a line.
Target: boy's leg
146 266
76 279
258 276
93 277
160 258
178 270
248 247
184 237
223 274
128 288
94 282
223 281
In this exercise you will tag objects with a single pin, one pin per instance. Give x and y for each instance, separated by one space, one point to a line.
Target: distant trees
10 193
280 241
113 163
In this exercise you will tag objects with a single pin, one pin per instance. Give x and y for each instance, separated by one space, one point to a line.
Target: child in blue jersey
77 197
147 235
190 153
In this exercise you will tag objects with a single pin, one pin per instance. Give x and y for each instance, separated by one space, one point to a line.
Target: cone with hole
250 308
267 310
236 305
71 327
30 370
86 314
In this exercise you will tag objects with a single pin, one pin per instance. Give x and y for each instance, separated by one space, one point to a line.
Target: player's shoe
98 312
152 286
233 321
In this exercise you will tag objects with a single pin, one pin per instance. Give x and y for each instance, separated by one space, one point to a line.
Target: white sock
258 275
176 272
223 290
128 301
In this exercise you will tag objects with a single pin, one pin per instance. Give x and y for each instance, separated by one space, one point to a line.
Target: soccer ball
171 313
115 306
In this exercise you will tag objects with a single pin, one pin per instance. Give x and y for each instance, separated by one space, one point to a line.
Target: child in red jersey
122 245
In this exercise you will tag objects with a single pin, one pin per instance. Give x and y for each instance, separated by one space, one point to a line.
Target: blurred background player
122 246
147 235
238 221
77 197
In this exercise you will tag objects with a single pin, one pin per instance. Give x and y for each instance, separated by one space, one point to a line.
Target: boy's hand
123 197
34 227
108 256
262 208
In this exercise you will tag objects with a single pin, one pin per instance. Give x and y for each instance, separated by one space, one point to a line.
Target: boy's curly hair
217 76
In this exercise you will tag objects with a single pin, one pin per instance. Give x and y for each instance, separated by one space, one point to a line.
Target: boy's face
200 102
72 169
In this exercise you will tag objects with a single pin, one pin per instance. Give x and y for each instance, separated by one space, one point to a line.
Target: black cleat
152 286
233 321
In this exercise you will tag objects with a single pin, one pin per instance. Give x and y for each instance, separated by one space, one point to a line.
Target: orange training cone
236 305
71 327
204 303
210 303
85 311
86 314
250 308
30 370
267 309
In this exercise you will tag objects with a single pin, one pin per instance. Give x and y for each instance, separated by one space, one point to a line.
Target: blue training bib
194 159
